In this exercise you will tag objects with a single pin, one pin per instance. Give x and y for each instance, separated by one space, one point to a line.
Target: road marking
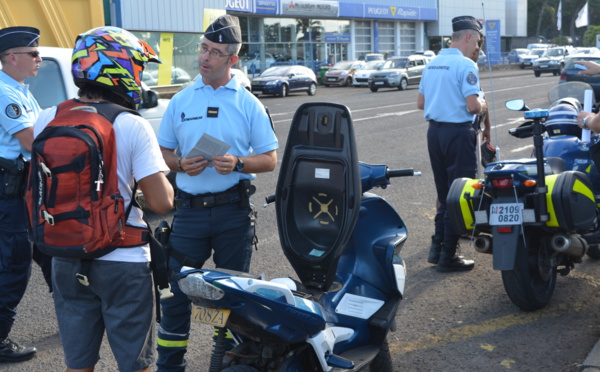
379 116
487 327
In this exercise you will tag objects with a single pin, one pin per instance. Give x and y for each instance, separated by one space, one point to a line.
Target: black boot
437 243
11 352
449 261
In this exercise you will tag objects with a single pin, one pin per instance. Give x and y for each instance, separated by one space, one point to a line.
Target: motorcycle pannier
460 205
570 200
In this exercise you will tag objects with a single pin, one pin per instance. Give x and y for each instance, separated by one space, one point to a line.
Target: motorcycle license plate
506 214
214 317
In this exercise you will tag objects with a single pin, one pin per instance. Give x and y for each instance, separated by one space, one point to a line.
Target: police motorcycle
344 244
532 224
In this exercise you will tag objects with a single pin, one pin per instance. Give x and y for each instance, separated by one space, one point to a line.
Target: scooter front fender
505 247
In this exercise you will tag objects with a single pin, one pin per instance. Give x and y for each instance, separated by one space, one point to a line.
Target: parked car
238 74
515 55
482 60
255 66
398 72
341 73
148 79
361 76
374 57
281 80
528 59
585 50
552 61
54 84
570 73
178 76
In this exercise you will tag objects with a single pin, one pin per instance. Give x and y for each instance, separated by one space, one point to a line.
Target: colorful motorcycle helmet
112 58
562 120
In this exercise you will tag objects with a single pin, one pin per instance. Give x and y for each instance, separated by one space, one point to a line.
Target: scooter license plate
214 317
506 214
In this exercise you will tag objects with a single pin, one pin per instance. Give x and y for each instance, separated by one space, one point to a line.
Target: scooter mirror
515 104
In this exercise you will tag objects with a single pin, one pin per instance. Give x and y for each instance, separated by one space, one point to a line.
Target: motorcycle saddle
318 191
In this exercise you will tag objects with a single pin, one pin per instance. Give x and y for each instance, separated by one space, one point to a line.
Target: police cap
224 30
13 37
465 23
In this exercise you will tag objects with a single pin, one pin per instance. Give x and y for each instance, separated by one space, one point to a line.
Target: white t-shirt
139 156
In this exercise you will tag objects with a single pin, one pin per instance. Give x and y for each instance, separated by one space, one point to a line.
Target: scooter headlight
194 285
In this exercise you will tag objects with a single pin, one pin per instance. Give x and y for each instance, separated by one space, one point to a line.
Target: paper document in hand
207 147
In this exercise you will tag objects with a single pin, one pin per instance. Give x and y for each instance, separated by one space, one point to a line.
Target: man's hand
224 164
592 68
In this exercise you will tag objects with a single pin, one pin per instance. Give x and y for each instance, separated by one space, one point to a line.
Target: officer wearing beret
448 94
214 211
18 112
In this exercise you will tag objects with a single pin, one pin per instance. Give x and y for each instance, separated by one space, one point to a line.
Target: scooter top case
318 191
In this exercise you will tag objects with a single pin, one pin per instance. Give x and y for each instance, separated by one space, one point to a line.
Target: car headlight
344 73
394 75
554 62
272 82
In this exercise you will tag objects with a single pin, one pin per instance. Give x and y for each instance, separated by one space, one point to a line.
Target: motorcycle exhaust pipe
483 244
573 245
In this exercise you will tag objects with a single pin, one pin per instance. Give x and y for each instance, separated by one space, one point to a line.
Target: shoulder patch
13 111
471 79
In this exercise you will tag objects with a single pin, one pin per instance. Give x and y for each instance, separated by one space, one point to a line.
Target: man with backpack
82 182
18 111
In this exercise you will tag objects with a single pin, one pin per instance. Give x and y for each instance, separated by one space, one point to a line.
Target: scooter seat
318 191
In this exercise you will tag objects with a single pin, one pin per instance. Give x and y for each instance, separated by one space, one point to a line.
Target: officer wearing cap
448 94
214 211
18 111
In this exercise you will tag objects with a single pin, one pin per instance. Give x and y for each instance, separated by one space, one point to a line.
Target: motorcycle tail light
502 183
505 229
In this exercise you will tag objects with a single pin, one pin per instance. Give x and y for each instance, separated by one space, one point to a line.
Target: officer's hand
225 164
194 166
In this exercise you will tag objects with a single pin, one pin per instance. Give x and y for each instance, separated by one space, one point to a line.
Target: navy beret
12 37
465 23
224 30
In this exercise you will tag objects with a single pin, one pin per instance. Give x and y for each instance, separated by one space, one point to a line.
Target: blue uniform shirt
18 110
446 83
242 122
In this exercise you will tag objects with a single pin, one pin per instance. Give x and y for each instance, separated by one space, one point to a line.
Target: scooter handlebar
391 173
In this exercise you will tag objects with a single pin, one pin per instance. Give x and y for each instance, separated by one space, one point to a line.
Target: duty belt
229 196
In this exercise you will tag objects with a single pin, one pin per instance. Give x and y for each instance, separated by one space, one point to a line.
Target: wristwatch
240 165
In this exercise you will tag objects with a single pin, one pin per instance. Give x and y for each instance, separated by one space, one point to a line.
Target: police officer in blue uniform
18 111
214 213
448 94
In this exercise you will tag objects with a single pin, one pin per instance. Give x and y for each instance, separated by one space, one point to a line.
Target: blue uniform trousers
197 232
15 257
452 152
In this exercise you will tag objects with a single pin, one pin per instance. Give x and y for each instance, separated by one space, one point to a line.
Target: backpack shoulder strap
107 109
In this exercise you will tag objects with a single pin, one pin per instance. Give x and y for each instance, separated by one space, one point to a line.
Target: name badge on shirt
212 112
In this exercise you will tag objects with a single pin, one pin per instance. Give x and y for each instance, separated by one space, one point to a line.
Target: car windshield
372 65
394 63
342 66
537 52
553 53
275 71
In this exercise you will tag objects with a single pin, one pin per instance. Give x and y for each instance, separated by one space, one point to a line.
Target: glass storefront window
362 38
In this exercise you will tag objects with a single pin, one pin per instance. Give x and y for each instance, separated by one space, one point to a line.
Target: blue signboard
492 41
266 7
338 37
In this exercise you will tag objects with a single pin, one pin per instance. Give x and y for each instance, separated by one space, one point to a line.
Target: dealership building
315 32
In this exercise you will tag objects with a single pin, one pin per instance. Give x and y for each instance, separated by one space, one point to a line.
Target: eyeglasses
213 53
33 53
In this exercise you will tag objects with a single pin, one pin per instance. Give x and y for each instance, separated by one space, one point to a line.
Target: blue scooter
530 213
344 244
